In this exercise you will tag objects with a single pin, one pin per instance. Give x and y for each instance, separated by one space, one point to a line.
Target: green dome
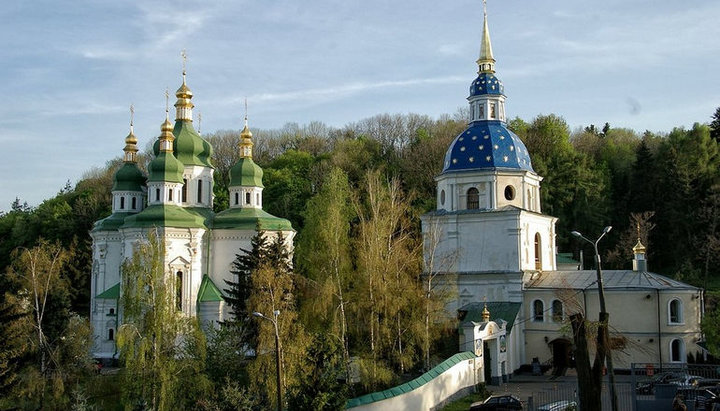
129 178
249 219
189 147
246 173
165 215
165 167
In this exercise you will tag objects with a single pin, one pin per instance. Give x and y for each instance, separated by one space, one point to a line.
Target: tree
163 351
14 336
239 291
388 290
273 290
323 387
715 125
323 254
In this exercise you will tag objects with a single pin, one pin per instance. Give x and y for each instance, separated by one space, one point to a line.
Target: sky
69 69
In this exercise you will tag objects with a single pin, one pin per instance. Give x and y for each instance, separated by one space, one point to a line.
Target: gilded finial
167 102
485 311
166 129
639 247
246 143
183 54
131 141
183 105
486 61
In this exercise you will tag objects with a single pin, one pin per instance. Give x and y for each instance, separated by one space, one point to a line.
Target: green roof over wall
166 216
111 222
248 218
209 291
503 310
112 293
165 167
566 258
411 385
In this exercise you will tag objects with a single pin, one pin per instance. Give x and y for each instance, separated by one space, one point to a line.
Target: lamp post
604 316
277 354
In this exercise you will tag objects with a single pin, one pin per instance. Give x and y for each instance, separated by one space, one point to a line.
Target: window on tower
247 198
122 203
178 290
538 252
481 114
473 199
492 110
157 194
184 191
170 195
257 199
199 196
134 203
538 314
237 198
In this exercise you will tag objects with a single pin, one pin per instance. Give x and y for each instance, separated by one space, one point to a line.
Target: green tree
162 351
273 291
323 254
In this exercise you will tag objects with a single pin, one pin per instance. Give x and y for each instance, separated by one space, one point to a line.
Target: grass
463 404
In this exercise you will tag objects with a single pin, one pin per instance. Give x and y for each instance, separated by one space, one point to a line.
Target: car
564 405
682 379
504 402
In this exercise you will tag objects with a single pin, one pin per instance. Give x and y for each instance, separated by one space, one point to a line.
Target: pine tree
238 291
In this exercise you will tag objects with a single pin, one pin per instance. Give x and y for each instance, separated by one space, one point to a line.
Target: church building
491 243
176 201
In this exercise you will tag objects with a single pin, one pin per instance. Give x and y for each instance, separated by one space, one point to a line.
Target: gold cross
183 54
485 7
167 100
132 114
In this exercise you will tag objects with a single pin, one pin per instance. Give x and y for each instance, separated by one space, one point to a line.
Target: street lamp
277 353
604 316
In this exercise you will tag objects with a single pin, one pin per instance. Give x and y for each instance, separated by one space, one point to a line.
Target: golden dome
485 314
246 143
639 248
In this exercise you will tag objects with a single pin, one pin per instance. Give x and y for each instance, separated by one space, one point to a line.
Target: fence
564 396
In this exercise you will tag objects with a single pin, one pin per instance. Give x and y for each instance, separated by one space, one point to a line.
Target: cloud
331 93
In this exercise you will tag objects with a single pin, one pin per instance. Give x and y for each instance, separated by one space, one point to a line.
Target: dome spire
131 141
183 105
166 129
486 61
246 143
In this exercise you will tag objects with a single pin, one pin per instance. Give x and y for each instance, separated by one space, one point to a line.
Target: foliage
162 350
323 387
711 329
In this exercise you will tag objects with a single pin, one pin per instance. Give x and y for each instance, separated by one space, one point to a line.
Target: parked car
564 405
682 379
505 402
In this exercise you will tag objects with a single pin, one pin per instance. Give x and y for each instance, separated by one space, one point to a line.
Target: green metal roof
129 178
208 291
246 173
112 293
111 222
566 258
165 167
189 147
248 218
503 310
166 216
411 385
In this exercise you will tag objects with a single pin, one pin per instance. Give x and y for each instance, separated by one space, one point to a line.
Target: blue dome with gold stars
487 145
486 83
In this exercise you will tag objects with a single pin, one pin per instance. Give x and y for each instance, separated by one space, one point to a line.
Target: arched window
247 198
199 198
184 191
492 110
538 311
122 203
675 312
538 252
157 194
237 198
134 203
112 311
111 334
178 290
509 193
482 111
676 350
473 199
257 199
170 195
557 311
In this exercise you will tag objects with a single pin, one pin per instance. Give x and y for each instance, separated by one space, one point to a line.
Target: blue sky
71 68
